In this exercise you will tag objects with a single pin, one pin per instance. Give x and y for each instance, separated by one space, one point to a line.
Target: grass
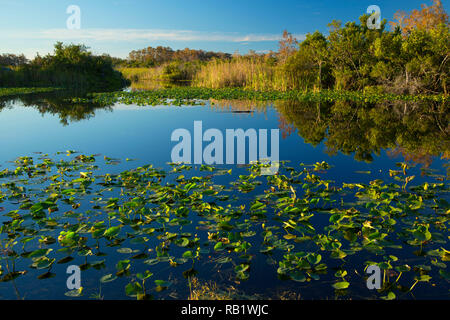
141 74
209 290
244 73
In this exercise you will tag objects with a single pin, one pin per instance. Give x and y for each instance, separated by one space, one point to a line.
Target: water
360 145
143 133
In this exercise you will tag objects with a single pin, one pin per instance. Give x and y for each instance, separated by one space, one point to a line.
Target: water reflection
57 103
417 131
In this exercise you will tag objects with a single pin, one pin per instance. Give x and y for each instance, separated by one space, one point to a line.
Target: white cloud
139 35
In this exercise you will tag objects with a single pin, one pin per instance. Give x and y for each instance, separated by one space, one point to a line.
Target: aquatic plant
7 92
133 225
195 96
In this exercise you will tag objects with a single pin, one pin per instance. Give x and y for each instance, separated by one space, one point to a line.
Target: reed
141 73
244 72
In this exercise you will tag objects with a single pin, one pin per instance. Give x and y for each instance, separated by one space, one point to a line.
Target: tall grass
171 71
142 74
249 72
244 72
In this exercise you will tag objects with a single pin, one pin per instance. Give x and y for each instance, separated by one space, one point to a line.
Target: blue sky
119 26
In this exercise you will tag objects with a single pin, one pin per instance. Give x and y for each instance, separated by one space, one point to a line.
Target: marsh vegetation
149 231
364 121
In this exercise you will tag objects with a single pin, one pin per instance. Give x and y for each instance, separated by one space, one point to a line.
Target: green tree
308 67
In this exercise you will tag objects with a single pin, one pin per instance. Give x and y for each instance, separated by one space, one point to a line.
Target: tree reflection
417 131
60 104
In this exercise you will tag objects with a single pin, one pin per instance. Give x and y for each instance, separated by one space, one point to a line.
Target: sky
117 27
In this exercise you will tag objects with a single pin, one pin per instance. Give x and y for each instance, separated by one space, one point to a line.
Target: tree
288 46
317 46
350 53
425 19
12 60
72 65
306 66
428 59
150 57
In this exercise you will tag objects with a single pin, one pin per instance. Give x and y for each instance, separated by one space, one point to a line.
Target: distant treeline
70 66
152 57
13 60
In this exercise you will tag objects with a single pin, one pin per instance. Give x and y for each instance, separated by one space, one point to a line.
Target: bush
71 66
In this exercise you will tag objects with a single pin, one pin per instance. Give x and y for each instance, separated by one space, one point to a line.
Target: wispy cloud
139 35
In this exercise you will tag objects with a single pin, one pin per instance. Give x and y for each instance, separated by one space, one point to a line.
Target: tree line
151 57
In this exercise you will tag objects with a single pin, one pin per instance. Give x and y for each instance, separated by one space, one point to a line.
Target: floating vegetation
4 92
131 227
195 96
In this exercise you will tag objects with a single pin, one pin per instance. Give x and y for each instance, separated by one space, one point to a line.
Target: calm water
360 145
143 133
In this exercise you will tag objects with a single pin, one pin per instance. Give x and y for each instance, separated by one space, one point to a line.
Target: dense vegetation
127 229
12 60
194 95
71 66
8 92
150 57
143 232
413 57
164 63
